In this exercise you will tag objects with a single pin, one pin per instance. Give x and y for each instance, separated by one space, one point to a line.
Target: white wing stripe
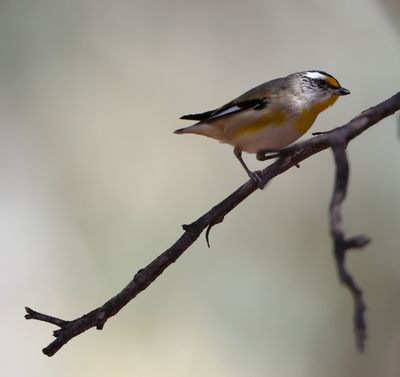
227 111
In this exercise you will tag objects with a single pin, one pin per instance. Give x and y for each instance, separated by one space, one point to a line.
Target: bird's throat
308 116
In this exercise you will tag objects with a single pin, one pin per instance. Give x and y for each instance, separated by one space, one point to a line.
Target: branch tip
357 242
47 352
28 314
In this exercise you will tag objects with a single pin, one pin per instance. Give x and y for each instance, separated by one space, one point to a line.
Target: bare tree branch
290 157
340 244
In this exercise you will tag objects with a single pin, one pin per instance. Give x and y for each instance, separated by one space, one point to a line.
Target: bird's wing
256 98
228 109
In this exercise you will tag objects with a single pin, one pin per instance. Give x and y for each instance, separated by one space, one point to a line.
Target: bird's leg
253 175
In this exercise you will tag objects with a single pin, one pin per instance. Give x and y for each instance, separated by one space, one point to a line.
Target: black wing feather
200 117
256 104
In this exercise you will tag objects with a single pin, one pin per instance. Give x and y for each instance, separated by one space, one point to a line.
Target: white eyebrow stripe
315 75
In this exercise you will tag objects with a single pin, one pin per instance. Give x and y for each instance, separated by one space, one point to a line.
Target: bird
270 116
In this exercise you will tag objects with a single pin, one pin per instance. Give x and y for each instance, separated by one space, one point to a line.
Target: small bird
269 116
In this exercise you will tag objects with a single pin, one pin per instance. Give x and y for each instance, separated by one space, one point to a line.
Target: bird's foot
268 155
256 177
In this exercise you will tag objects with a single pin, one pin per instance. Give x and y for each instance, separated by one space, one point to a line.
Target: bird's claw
256 177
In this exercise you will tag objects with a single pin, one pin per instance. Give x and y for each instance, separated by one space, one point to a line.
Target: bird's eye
321 82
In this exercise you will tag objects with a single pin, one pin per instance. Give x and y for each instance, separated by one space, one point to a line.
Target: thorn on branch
215 222
102 319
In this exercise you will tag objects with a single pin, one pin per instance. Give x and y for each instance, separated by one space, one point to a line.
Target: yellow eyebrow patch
332 82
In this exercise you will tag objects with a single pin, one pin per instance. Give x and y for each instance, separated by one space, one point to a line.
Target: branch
338 138
341 245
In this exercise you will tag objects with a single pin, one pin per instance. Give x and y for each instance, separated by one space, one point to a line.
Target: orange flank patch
332 82
275 119
307 117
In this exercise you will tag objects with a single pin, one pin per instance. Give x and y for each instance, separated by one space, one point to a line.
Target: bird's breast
307 117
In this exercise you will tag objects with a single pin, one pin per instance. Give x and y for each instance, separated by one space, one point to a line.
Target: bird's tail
198 128
204 129
180 131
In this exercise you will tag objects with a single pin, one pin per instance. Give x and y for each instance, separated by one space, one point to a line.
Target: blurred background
94 185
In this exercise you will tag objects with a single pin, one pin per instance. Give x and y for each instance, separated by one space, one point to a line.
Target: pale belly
253 131
269 137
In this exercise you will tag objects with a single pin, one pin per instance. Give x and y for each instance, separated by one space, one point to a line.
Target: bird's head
319 86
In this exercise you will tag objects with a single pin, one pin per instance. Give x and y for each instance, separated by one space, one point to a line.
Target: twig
341 245
144 277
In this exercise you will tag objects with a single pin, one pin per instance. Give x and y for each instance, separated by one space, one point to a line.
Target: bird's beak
342 92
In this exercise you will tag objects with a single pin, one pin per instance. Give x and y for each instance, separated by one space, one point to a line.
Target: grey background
94 185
